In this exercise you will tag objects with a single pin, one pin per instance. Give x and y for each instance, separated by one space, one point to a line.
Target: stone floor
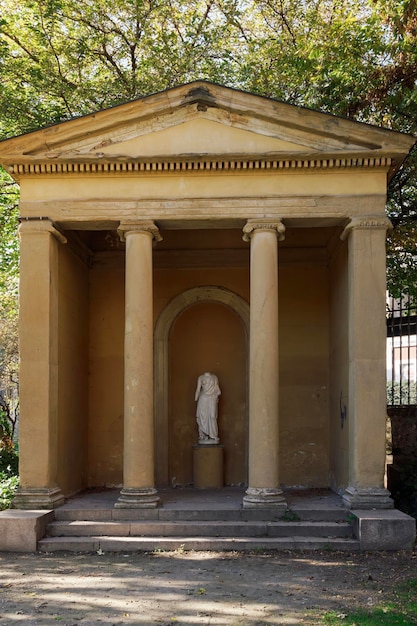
229 498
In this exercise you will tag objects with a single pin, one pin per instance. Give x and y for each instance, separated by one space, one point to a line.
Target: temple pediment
202 120
199 136
189 131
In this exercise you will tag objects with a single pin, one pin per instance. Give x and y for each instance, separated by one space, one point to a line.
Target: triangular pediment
202 119
198 137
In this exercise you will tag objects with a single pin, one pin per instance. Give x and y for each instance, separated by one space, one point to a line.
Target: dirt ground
187 588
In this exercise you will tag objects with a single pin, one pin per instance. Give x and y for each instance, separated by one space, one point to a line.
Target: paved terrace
229 498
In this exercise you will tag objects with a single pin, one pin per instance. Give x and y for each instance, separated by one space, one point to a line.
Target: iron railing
401 351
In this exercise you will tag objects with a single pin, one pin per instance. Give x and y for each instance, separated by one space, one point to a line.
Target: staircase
192 520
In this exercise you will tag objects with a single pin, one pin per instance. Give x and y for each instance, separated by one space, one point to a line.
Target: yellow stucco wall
304 375
73 314
212 337
207 337
339 369
105 419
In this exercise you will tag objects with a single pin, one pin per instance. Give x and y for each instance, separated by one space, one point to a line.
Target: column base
367 498
134 498
259 498
33 498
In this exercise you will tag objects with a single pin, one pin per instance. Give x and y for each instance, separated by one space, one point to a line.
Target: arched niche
178 305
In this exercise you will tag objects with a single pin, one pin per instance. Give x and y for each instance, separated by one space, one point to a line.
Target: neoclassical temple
203 229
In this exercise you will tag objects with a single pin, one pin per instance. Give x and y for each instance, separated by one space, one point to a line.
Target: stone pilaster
38 338
263 489
138 457
367 363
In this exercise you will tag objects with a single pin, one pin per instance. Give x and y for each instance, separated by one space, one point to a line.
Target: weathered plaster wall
105 427
210 336
73 372
205 337
339 369
170 283
304 375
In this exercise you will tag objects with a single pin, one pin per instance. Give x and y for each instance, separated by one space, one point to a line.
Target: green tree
9 268
356 58
60 58
395 93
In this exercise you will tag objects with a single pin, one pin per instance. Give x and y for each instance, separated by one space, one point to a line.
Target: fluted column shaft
263 489
138 459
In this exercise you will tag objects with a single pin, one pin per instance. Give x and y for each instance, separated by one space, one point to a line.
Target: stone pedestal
20 531
384 530
208 462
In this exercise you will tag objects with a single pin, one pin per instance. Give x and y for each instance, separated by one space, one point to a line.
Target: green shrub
9 469
406 495
9 482
400 394
9 460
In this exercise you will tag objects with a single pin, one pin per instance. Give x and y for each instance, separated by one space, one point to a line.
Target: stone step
155 544
334 514
198 529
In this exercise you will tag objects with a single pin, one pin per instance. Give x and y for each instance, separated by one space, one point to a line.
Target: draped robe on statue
206 395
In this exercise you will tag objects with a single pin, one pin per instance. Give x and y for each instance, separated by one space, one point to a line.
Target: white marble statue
207 398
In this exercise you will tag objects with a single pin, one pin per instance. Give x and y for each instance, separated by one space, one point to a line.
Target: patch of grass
376 617
290 516
327 547
351 519
401 610
9 482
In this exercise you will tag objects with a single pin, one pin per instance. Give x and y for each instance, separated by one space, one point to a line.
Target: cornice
156 166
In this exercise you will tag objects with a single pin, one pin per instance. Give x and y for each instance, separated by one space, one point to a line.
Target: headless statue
207 398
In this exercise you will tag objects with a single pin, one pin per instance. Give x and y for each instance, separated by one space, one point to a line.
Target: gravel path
190 588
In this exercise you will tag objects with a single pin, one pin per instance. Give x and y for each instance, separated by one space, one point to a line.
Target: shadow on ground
189 588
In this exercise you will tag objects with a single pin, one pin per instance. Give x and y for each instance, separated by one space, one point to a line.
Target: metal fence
401 352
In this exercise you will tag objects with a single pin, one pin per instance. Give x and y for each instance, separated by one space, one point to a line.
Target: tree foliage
9 268
357 58
62 58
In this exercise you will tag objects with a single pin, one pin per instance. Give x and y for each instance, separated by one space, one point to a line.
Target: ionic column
367 402
38 342
138 457
263 489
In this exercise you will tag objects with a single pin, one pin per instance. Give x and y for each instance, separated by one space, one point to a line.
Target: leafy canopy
356 58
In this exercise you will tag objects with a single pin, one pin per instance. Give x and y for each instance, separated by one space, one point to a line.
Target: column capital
147 226
39 226
253 225
369 222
